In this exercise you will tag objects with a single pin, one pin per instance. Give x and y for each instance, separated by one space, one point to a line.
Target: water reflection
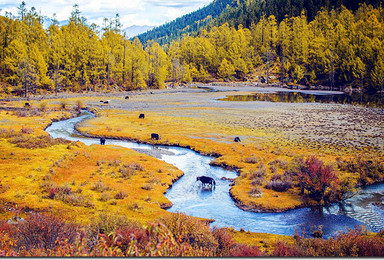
301 97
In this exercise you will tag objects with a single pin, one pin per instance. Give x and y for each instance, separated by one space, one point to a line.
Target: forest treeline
251 11
189 23
338 48
244 12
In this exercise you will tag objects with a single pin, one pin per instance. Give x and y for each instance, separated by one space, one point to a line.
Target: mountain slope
243 12
189 23
250 11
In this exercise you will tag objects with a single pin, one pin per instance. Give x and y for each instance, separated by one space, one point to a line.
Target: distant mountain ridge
134 30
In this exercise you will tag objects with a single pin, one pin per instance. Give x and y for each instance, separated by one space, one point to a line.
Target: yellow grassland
27 174
97 174
264 241
208 137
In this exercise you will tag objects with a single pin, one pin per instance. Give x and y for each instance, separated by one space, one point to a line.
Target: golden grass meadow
110 184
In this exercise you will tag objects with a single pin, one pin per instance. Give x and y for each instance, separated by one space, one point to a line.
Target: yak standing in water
102 140
206 180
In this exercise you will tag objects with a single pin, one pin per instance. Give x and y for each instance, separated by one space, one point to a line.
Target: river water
189 197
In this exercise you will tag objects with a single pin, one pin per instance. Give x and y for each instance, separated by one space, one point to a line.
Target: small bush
78 200
190 230
105 197
252 159
66 195
280 164
135 207
273 169
26 130
42 232
64 104
257 173
241 250
120 195
127 170
132 233
107 223
282 249
43 106
147 186
28 113
224 240
58 192
99 186
370 170
276 177
114 163
79 105
257 182
279 185
256 192
34 142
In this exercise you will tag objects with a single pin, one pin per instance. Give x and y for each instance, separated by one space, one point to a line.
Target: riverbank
41 174
275 132
269 132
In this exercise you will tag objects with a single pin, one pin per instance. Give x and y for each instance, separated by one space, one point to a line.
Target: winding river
189 197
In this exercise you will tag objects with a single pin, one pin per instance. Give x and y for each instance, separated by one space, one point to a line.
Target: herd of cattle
155 136
205 180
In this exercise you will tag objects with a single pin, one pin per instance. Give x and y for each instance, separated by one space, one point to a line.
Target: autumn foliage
46 235
336 48
318 179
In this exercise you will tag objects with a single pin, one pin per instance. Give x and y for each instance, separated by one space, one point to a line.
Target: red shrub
318 179
283 249
127 235
241 250
42 231
224 240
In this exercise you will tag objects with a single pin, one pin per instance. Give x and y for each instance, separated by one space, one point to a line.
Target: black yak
206 180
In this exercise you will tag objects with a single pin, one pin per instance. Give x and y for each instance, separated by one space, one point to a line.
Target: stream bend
189 197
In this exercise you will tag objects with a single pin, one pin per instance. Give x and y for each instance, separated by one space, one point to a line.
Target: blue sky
132 12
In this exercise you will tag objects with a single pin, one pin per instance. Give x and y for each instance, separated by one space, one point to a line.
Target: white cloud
132 12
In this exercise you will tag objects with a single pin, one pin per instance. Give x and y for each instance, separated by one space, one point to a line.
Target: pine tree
226 69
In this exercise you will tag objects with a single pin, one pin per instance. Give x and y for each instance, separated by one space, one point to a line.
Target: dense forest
251 11
187 24
246 13
338 48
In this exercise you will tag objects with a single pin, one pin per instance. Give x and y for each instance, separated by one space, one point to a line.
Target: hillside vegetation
189 23
339 48
246 13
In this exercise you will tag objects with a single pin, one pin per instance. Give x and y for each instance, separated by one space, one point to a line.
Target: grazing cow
27 104
101 101
126 97
142 116
206 180
237 139
102 140
106 102
154 136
